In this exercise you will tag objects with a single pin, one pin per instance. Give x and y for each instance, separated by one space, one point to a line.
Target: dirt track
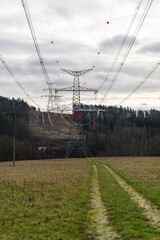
99 227
148 209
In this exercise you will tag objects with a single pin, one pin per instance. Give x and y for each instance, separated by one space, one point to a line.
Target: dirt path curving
99 228
148 209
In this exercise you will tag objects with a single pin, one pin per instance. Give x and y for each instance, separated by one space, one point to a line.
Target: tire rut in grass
149 210
99 225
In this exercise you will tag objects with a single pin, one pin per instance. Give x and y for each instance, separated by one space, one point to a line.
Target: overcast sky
79 31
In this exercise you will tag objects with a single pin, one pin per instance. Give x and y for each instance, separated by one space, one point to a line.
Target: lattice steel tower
76 140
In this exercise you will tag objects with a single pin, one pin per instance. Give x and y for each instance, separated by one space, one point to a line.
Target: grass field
142 173
56 199
44 199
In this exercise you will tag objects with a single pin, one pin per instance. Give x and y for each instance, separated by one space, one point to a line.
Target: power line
49 27
18 83
123 41
148 6
131 93
48 82
141 83
105 32
29 20
50 32
122 101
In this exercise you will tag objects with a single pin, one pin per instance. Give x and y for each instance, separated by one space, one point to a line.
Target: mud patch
99 225
149 210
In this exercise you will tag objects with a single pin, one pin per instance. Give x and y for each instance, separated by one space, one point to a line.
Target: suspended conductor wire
15 79
148 6
50 32
141 83
125 99
49 27
29 20
105 32
108 21
123 42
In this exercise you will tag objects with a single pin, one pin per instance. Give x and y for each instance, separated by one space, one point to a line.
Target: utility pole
14 133
76 140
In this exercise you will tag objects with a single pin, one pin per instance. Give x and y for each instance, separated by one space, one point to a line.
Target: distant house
42 149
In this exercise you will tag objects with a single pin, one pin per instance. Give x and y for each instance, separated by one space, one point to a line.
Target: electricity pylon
53 99
76 140
50 97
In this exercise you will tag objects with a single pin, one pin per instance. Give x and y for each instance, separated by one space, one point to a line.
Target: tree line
111 132
25 148
122 132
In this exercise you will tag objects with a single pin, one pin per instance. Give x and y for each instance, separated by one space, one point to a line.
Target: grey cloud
152 48
116 42
15 45
63 12
127 85
135 70
67 46
77 7
13 20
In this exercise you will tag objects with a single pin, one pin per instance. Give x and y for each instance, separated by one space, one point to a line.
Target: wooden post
14 131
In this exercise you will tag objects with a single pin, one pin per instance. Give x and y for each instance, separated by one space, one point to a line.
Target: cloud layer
79 30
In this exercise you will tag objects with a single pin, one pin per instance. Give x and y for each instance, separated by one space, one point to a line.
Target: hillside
50 131
123 132
114 132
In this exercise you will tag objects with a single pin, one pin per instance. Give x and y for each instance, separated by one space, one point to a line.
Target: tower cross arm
76 73
80 89
85 89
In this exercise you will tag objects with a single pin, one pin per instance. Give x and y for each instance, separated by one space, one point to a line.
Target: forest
25 148
123 132
111 132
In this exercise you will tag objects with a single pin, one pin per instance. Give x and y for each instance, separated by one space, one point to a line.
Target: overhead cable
105 31
50 32
29 20
123 41
18 83
148 6
141 83
132 92
48 82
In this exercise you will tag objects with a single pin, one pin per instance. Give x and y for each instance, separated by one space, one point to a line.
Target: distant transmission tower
53 99
50 97
76 140
49 84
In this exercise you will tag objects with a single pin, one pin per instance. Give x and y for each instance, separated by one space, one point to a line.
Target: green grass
122 212
143 174
50 200
45 203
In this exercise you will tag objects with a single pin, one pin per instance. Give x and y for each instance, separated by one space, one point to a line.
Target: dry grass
142 168
143 173
44 199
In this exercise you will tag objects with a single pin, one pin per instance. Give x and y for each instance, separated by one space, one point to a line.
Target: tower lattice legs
76 146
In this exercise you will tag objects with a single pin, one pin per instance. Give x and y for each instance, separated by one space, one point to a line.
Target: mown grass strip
98 228
143 174
122 212
148 209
